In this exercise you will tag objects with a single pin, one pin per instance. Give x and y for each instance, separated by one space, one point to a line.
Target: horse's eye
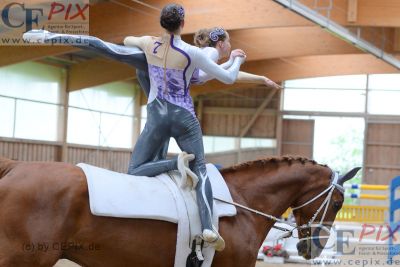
337 205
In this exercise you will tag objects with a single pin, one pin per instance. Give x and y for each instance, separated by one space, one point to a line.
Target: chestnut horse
45 215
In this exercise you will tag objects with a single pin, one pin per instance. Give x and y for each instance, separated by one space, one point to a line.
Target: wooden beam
268 43
65 101
305 67
396 47
260 109
113 22
383 38
96 72
279 123
199 111
237 111
214 86
316 66
16 54
382 13
262 31
369 13
137 115
352 11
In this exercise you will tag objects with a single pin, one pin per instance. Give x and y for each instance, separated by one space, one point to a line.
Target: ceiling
279 43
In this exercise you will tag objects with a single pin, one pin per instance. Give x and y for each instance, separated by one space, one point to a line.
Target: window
345 94
331 82
257 143
30 101
102 115
384 94
214 144
7 114
384 82
36 120
328 94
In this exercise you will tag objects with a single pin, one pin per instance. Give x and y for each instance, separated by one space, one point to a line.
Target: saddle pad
126 196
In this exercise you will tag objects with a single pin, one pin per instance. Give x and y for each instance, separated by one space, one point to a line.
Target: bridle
289 233
334 185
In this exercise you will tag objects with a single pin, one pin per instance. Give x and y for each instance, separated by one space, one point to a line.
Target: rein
334 185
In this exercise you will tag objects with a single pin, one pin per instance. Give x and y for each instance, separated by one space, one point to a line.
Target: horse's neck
269 190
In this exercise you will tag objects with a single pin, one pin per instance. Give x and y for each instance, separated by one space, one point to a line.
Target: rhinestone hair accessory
181 12
214 34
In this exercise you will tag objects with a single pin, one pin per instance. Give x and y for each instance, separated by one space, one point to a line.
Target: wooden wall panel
224 159
374 175
264 126
382 155
250 97
226 114
229 158
384 132
218 124
28 150
304 150
115 160
254 154
297 137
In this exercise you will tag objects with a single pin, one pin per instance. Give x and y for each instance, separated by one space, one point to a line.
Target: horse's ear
348 176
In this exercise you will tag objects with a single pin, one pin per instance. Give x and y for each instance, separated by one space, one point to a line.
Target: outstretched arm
244 77
133 41
129 55
132 56
201 77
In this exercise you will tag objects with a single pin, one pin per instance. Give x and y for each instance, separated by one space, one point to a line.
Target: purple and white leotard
173 63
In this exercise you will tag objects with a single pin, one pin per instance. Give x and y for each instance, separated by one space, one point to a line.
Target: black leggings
166 120
124 54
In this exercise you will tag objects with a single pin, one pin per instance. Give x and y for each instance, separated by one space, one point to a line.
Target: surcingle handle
183 168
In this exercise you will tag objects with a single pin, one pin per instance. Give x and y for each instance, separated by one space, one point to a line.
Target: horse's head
315 212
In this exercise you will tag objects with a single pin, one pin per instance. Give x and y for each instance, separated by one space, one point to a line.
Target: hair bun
171 17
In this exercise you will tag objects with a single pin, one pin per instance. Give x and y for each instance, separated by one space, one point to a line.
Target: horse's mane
272 160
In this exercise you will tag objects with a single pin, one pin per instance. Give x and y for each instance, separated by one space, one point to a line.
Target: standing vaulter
171 64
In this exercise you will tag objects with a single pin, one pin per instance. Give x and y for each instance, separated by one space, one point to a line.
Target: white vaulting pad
121 195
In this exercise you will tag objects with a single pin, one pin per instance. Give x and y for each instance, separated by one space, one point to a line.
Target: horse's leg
34 206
